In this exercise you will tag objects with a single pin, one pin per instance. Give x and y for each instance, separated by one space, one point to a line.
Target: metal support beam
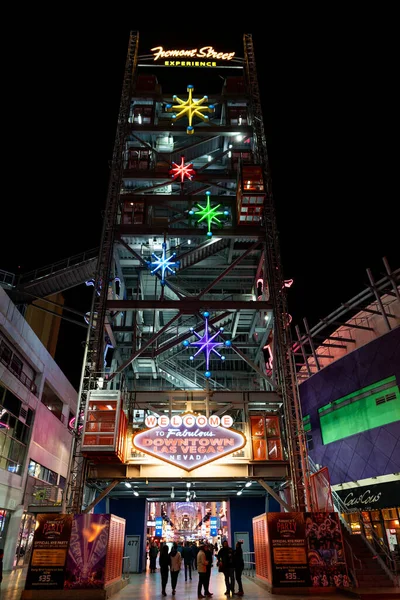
228 269
272 493
392 280
302 349
145 345
352 326
378 299
188 306
100 497
310 341
253 366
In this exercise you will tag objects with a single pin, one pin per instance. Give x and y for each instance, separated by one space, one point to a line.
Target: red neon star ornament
182 170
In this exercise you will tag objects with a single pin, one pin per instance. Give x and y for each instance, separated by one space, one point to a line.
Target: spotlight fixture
128 485
135 493
172 493
239 493
188 484
248 484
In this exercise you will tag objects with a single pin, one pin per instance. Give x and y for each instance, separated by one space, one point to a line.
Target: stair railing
376 546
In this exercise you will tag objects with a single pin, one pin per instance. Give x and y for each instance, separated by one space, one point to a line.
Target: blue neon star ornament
163 264
206 344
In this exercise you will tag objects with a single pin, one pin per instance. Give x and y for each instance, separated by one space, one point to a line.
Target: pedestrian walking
225 564
202 571
165 562
187 560
176 561
209 558
153 557
238 564
195 550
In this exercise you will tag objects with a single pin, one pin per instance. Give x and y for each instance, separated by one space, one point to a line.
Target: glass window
13 437
40 472
12 403
62 482
389 513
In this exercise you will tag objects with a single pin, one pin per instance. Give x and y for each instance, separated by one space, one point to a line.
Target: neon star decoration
182 170
189 108
163 264
206 344
208 214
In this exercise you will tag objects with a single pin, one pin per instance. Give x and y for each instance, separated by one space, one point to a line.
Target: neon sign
205 52
206 344
183 170
163 263
189 108
189 441
208 214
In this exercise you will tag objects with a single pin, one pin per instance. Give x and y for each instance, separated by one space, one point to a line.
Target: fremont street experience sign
188 441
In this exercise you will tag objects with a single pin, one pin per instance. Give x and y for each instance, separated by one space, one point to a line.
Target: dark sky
330 109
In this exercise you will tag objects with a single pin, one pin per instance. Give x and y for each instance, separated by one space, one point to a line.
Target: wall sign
213 526
189 441
286 533
159 526
207 56
369 497
49 552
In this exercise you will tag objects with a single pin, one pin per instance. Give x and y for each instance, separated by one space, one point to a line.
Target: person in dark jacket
187 560
194 549
153 552
165 563
209 559
238 564
225 558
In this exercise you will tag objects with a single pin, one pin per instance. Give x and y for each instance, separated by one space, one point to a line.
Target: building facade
37 404
351 414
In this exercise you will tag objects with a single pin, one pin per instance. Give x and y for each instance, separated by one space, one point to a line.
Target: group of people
230 562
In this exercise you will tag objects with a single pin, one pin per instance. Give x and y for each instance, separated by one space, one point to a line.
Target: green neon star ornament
208 214
189 108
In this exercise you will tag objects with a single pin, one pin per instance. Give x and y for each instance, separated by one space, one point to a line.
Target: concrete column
12 538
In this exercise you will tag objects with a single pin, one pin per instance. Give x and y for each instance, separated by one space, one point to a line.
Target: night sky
330 113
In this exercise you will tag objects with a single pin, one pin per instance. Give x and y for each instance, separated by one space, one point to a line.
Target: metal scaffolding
217 276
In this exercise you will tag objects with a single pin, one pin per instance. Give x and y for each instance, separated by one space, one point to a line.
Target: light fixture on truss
163 264
208 214
189 108
206 344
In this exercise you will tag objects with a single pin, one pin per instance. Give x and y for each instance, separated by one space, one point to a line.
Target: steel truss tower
190 252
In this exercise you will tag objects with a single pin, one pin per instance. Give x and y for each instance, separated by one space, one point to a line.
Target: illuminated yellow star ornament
189 108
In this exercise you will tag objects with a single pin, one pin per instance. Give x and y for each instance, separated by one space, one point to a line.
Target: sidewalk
147 586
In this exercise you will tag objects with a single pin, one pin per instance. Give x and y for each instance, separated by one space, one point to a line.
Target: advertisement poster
49 552
286 534
86 562
159 527
325 550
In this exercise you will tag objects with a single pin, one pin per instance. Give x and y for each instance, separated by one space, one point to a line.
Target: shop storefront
4 520
374 508
25 538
